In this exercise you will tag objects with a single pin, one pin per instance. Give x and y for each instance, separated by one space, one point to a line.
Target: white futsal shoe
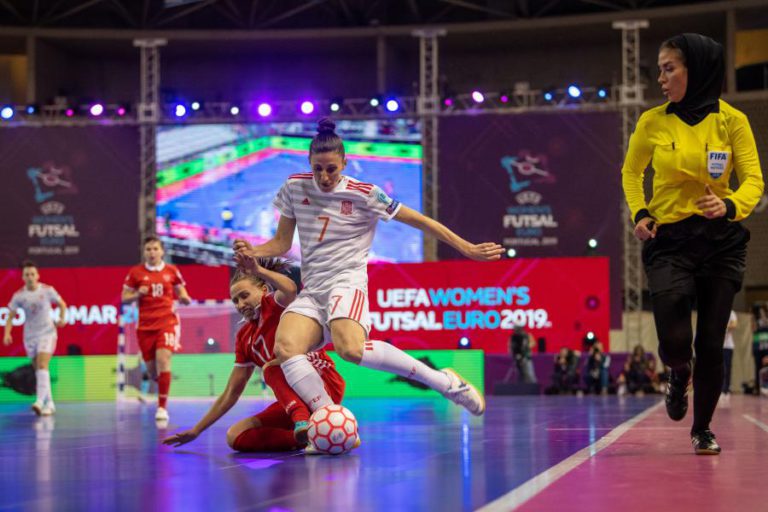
48 409
37 407
463 393
162 414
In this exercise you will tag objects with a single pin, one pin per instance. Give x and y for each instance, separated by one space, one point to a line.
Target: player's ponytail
326 140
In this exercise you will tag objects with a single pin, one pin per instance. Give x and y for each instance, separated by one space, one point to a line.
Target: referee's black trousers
697 260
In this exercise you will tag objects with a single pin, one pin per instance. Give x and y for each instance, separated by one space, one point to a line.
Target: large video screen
217 182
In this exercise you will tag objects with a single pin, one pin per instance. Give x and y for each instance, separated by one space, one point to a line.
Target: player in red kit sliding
260 292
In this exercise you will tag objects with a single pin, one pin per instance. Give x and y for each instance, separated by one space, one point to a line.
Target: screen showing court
216 183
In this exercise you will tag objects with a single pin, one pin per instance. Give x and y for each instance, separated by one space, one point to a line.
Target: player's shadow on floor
246 456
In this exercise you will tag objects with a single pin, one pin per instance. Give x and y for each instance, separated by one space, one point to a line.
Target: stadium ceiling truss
270 14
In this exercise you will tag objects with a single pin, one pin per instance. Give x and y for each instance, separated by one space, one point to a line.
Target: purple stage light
264 109
478 97
307 107
97 109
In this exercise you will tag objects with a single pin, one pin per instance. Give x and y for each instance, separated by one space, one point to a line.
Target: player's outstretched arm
277 246
235 387
481 252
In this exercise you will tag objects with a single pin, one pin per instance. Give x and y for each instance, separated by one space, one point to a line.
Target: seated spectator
596 376
639 375
565 378
521 344
759 323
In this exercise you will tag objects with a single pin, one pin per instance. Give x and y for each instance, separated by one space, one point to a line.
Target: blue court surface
416 454
249 194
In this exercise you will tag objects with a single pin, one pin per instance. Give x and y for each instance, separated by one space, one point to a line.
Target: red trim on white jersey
365 188
301 176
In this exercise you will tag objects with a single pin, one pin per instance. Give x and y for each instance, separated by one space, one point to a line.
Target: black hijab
706 70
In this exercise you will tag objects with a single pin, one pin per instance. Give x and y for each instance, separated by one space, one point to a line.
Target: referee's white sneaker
463 393
161 414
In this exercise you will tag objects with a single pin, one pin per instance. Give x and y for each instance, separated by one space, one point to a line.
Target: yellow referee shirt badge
717 163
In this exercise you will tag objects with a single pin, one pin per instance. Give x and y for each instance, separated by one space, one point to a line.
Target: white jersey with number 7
335 228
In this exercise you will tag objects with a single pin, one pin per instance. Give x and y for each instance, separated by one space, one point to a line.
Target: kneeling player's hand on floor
180 438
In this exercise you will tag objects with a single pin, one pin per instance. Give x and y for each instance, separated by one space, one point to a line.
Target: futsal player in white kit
336 217
35 299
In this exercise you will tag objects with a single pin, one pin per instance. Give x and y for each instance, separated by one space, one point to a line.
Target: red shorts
275 416
150 341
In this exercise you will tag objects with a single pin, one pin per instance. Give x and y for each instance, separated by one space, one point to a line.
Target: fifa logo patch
347 207
717 163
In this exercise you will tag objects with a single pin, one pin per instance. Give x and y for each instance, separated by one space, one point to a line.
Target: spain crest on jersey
347 207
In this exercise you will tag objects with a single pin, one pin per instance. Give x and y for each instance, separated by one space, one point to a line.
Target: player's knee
232 434
349 350
284 350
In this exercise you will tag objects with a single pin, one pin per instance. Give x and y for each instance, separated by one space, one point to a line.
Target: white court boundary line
535 485
755 421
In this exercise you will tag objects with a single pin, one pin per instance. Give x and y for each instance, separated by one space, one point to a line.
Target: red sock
163 386
286 396
265 439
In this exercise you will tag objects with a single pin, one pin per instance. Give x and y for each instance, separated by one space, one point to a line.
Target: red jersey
255 345
156 309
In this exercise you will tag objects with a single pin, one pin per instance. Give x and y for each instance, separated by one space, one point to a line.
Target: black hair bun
326 127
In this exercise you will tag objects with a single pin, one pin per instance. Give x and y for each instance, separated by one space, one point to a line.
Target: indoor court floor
527 453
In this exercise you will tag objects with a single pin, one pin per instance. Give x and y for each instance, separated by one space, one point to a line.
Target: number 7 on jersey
326 220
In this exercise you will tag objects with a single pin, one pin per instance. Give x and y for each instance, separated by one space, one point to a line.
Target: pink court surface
645 462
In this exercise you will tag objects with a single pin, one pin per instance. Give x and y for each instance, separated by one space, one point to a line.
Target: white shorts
45 344
342 302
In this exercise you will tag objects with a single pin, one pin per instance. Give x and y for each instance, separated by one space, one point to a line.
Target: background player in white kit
35 298
336 217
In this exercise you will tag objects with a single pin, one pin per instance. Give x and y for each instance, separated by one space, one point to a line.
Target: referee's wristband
730 209
640 215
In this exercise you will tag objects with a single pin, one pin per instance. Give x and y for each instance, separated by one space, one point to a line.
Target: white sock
43 387
380 355
306 382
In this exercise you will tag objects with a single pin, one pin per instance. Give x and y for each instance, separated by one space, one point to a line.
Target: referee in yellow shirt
695 248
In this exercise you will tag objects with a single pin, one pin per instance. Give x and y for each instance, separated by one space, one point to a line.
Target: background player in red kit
154 284
283 424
